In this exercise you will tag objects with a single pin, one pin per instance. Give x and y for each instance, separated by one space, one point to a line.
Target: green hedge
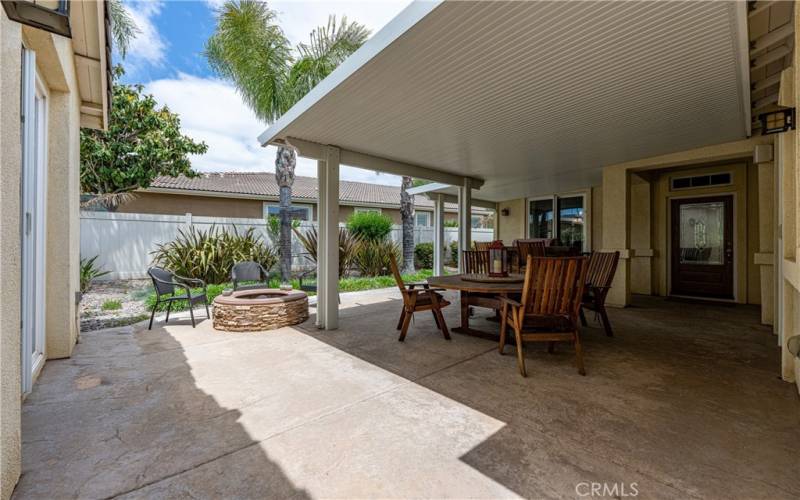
423 256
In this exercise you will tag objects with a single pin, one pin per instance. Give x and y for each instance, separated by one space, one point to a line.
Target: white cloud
212 111
148 48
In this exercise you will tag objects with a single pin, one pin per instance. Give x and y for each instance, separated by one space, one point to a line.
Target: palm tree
249 49
407 218
123 27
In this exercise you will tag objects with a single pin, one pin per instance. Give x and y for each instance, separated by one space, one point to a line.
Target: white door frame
33 208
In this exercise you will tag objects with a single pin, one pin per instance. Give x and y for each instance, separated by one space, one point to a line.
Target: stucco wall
10 159
511 226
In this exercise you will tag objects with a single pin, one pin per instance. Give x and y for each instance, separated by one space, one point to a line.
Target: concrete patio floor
684 401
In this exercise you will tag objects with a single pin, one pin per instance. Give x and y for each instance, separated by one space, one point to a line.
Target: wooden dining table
479 294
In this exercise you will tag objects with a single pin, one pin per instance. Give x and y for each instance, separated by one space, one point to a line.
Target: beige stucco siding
10 164
63 198
205 206
220 206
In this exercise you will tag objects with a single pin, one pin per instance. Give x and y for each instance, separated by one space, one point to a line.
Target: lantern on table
498 260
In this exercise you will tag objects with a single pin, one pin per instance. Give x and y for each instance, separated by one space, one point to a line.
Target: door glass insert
540 218
702 233
571 221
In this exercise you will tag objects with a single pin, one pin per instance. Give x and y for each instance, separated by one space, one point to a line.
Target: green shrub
111 305
451 223
370 226
209 255
454 252
348 245
423 256
373 258
89 272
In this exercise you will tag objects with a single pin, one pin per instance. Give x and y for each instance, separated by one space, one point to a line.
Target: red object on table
498 260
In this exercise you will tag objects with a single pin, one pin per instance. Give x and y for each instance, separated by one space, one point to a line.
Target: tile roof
261 184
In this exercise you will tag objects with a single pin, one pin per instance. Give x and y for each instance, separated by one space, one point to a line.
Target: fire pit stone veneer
259 309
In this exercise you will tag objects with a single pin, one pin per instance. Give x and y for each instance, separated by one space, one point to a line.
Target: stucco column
438 235
765 257
616 231
62 224
464 220
329 295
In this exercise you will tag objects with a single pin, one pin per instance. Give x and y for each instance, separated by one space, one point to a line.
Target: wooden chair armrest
423 284
510 302
424 290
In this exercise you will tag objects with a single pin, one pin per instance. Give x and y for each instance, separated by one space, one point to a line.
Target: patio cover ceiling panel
533 96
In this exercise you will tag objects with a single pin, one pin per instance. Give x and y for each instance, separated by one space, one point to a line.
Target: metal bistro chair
165 282
249 271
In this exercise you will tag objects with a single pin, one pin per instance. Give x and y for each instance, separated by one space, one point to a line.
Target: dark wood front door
702 247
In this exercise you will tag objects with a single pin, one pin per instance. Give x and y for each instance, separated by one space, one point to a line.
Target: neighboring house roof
263 185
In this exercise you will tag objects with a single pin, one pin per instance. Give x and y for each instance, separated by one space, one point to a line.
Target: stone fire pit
259 309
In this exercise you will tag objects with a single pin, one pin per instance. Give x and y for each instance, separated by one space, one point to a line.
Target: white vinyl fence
124 242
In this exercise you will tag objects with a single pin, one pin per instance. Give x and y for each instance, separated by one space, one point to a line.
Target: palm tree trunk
285 161
407 217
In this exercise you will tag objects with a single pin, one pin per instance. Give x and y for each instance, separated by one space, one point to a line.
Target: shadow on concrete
684 401
124 416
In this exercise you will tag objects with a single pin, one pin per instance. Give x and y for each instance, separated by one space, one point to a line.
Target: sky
167 57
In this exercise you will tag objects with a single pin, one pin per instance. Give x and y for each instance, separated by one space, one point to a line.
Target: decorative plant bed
259 309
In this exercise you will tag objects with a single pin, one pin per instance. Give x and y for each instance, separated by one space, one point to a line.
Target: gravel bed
130 294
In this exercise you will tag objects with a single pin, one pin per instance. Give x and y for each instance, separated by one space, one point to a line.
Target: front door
702 247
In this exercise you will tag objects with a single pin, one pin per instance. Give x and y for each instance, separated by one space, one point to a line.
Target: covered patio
682 403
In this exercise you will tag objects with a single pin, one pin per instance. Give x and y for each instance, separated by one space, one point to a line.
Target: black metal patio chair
249 271
166 282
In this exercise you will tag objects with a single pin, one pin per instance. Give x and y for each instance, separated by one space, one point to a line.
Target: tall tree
142 142
123 27
249 49
407 218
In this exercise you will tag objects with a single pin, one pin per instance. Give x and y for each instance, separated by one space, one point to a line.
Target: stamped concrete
683 402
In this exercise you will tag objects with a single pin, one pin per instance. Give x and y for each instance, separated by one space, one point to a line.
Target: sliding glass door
34 189
559 217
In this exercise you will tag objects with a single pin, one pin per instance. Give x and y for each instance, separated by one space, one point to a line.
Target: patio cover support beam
316 151
329 293
616 231
464 219
438 234
322 221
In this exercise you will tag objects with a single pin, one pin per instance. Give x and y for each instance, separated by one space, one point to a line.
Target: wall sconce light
52 15
504 212
777 121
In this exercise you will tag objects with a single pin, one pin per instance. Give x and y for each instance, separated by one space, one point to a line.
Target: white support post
322 220
438 235
464 219
329 295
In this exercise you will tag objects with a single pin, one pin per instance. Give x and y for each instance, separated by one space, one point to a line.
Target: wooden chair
476 261
602 266
549 308
418 297
482 246
534 248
